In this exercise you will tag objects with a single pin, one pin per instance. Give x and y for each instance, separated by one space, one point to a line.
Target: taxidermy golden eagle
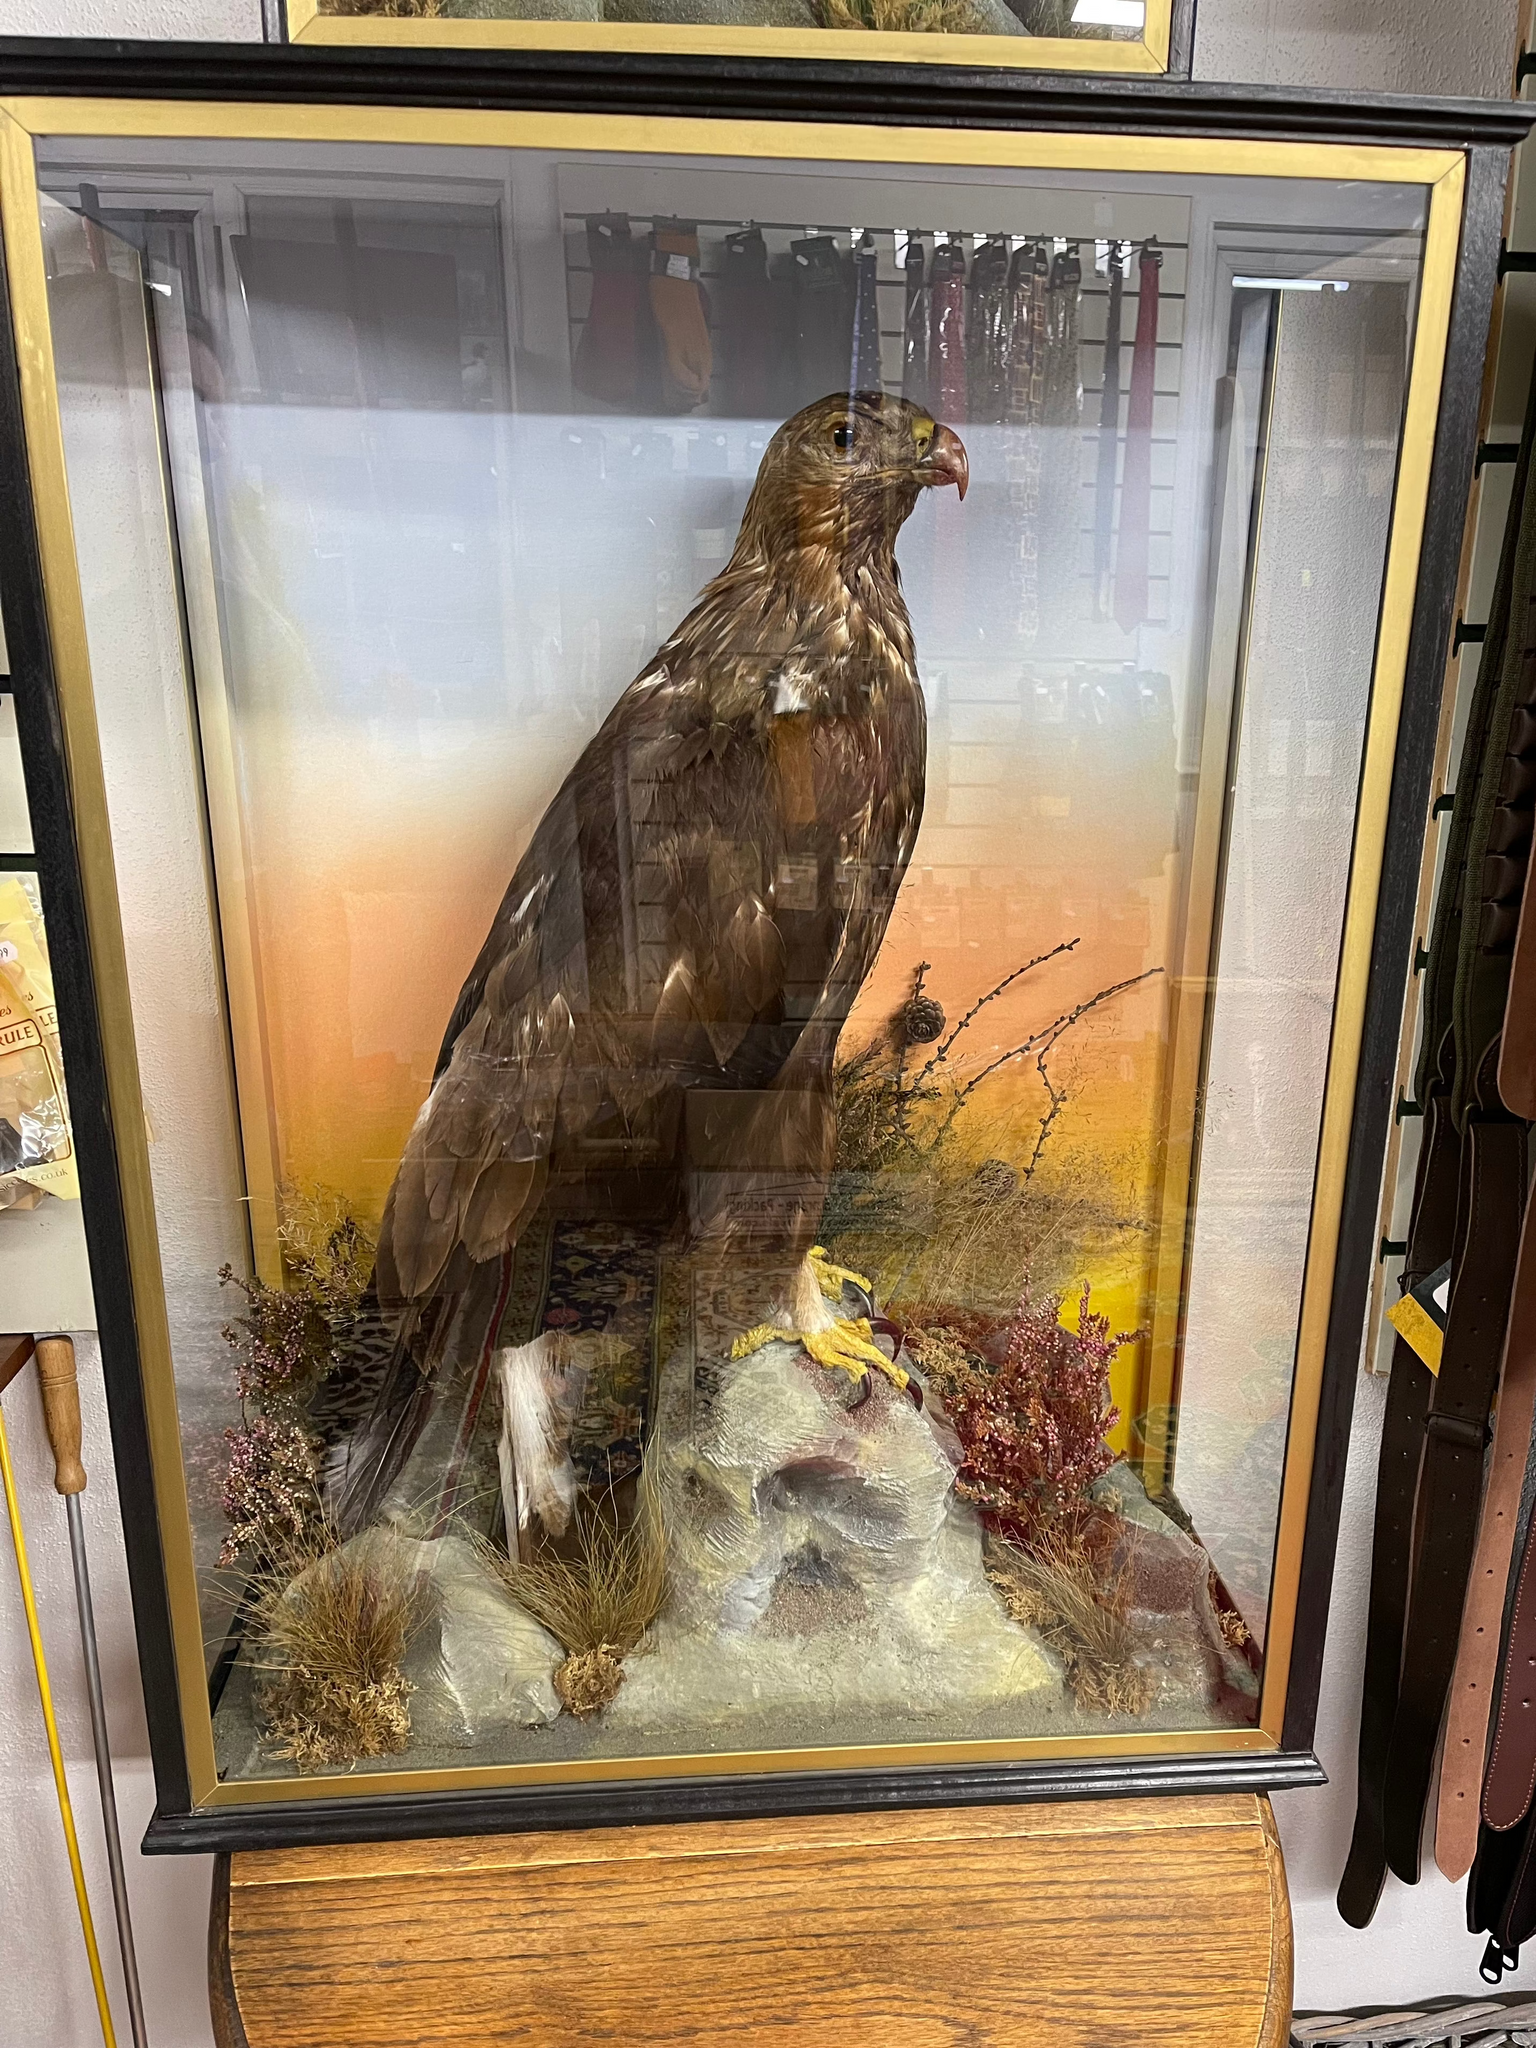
649 1029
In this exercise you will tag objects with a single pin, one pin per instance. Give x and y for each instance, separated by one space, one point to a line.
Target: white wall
1418 1943
204 20
1360 45
47 1999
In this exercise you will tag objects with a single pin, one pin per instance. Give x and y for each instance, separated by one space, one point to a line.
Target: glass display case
731 808
1149 38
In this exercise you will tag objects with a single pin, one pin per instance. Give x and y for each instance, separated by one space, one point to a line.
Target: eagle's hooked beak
945 461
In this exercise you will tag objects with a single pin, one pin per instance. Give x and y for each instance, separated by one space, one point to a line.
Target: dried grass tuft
1056 1591
588 1681
327 1251
322 1723
327 1644
933 17
1234 1630
390 10
599 1603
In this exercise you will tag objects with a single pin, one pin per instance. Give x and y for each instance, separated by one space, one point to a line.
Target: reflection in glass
736 978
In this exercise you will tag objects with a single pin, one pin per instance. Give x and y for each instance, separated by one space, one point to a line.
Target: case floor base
1114 1924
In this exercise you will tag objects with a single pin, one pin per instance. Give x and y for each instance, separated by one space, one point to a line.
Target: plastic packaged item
37 1154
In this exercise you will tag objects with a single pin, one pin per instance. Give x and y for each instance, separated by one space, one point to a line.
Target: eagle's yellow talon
849 1347
831 1277
759 1335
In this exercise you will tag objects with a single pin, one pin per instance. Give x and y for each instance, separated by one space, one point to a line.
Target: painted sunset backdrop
399 733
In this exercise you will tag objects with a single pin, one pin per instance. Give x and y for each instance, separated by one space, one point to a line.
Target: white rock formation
819 1558
490 1666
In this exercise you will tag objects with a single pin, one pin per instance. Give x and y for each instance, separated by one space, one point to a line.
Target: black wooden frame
882 94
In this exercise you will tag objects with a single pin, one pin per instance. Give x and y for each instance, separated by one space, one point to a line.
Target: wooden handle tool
61 1413
61 1410
15 1358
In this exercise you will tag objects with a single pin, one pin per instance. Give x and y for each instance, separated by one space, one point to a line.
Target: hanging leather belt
1474 1147
1501 1896
1511 1780
1489 1203
1397 1479
1477 1655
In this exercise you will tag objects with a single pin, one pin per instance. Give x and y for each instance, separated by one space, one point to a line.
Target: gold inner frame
1144 56
22 120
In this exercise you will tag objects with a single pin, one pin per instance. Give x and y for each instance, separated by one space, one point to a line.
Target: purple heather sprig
269 1494
282 1343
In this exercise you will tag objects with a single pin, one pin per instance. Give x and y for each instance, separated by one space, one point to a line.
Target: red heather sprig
1033 1431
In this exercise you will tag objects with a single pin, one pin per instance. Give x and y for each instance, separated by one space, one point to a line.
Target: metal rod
104 1770
58 1383
55 1750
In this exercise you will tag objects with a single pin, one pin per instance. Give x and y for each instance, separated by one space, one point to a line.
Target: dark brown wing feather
633 955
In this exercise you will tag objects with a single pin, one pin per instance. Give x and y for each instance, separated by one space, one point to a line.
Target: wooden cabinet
1129 1923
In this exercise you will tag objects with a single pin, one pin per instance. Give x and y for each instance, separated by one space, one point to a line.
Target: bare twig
941 1050
903 1099
1040 1041
1057 1098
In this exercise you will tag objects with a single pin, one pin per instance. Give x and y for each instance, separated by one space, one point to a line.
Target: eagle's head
844 473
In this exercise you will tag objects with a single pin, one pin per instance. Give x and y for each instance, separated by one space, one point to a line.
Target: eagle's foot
830 1277
847 1346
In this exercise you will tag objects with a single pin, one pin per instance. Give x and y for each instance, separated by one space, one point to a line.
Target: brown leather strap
1517 1053
1451 1476
1477 1655
1511 1780
1431 1236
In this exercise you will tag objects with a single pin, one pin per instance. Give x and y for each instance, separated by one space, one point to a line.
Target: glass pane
737 978
1097 20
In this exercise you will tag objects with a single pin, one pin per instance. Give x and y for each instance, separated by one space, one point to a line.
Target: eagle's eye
842 437
922 434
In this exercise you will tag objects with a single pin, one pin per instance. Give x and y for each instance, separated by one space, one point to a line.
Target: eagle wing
634 953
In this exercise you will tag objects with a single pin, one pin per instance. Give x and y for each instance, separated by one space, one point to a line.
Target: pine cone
994 1181
922 1020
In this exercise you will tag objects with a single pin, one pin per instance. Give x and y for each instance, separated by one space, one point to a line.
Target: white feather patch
542 1385
791 692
